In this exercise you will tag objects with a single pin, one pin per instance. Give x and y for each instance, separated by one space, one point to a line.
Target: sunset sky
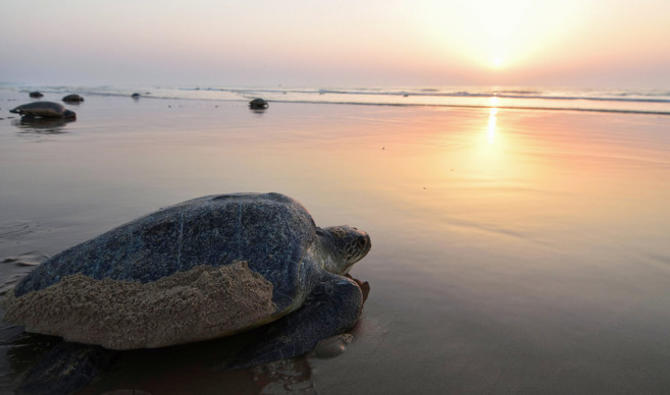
578 43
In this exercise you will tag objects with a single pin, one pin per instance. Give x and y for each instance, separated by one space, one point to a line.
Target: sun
497 62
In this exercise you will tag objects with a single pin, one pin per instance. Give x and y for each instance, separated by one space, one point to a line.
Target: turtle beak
358 247
364 244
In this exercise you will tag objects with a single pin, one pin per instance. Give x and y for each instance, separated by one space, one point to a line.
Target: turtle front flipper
332 308
66 368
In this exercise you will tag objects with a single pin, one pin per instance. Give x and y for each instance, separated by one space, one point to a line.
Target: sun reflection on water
487 157
491 130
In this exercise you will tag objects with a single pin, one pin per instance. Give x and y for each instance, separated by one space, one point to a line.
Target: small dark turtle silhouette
135 95
73 98
258 104
35 94
44 109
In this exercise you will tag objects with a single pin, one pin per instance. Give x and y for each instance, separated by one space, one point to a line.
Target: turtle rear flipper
332 308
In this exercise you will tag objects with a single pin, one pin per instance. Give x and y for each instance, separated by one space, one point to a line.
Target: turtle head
346 244
67 114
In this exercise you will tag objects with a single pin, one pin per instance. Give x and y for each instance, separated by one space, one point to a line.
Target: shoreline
611 105
615 111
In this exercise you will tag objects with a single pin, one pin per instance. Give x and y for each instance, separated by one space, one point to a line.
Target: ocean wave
476 106
647 97
519 92
623 101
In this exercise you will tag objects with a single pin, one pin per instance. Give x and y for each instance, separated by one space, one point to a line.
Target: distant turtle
73 98
202 269
135 95
35 94
258 104
44 109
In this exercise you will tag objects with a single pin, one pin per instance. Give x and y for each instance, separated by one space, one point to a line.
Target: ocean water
514 250
602 100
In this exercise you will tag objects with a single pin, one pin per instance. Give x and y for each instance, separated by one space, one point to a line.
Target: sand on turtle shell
202 303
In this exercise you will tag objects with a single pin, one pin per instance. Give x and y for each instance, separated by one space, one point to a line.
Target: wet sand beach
512 250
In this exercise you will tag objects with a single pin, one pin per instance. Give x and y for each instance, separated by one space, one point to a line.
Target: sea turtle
201 269
73 98
258 104
44 109
35 94
135 95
